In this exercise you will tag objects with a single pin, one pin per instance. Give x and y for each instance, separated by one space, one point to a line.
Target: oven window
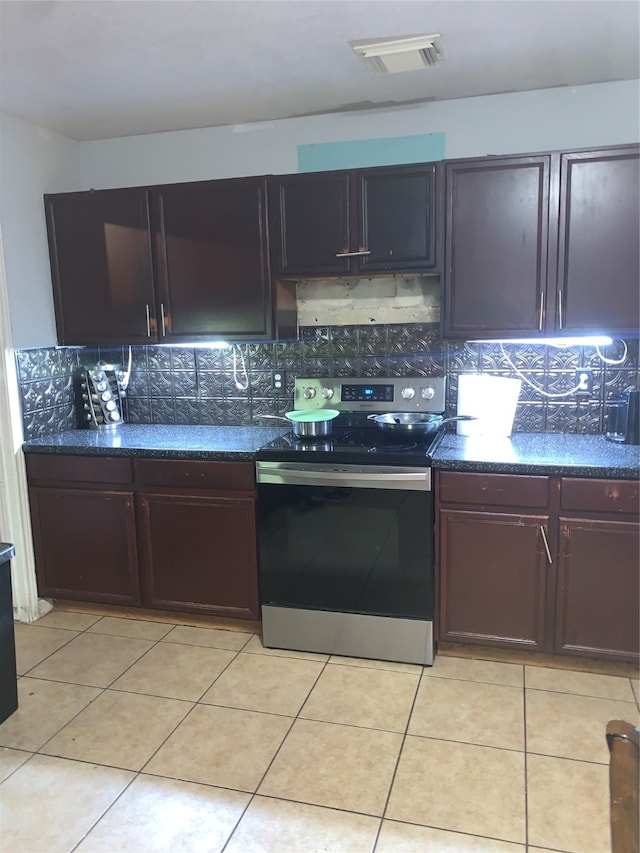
354 550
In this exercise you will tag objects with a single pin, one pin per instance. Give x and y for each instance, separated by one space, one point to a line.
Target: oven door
347 552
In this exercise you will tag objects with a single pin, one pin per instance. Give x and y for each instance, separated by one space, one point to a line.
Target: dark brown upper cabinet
310 223
544 245
177 263
598 258
100 256
211 260
355 222
496 246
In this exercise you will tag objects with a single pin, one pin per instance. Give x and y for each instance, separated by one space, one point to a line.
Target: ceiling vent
411 53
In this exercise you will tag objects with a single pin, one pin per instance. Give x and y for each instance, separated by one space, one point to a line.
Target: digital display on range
367 393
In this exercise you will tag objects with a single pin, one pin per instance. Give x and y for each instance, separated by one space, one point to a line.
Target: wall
549 119
176 385
33 161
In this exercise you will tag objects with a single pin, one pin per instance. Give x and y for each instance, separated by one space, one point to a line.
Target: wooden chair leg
623 741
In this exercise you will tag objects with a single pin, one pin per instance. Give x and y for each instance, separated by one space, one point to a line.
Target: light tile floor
145 736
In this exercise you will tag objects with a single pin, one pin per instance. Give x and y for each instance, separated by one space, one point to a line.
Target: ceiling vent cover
411 53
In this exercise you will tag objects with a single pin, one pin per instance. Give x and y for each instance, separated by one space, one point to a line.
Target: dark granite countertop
552 454
160 441
7 551
523 453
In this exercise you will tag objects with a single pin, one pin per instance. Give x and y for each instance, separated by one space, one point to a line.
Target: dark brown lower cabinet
598 580
493 589
197 536
199 554
85 545
598 587
542 563
168 534
83 522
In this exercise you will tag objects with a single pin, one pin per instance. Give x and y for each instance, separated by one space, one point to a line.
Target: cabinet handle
546 545
559 309
541 310
352 254
148 320
164 331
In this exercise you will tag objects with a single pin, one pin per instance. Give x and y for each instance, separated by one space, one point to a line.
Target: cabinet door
310 228
397 218
100 254
598 589
211 260
85 544
598 259
497 222
492 578
199 554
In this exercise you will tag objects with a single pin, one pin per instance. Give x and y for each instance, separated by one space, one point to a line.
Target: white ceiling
94 69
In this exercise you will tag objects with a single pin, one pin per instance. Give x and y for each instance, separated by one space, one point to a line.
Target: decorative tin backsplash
199 386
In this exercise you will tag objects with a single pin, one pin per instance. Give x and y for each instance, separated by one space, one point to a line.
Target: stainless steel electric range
346 524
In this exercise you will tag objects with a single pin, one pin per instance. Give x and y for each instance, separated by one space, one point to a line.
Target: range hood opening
369 301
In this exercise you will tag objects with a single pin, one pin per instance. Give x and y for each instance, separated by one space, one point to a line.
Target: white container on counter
492 400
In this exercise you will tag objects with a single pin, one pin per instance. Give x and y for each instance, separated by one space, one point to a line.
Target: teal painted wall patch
362 153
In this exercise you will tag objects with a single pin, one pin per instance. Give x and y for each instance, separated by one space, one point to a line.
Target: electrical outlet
584 381
277 381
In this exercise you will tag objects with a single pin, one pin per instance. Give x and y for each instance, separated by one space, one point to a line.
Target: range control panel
372 393
406 394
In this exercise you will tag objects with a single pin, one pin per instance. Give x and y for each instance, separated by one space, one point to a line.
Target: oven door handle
374 479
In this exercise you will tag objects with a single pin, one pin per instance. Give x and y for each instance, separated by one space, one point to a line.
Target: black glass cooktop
357 445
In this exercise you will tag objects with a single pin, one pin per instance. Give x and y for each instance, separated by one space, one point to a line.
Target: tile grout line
15 769
194 705
526 764
109 686
275 755
186 716
252 796
294 719
406 734
106 810
398 757
64 645
52 680
102 692
139 772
